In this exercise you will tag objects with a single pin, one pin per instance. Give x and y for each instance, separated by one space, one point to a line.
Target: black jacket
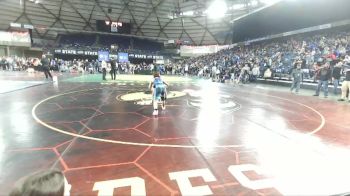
336 73
45 62
113 64
347 75
325 74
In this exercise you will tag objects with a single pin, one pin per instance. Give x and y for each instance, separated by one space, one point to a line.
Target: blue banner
103 56
123 57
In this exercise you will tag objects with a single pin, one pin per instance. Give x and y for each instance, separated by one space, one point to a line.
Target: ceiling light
217 9
188 13
17 25
254 3
269 2
238 6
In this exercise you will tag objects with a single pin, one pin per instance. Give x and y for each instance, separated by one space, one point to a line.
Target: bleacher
124 44
77 40
287 82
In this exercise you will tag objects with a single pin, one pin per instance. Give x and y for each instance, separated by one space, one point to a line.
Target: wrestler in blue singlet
159 88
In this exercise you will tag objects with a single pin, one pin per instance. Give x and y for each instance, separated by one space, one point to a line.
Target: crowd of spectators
71 66
278 57
15 63
95 66
310 54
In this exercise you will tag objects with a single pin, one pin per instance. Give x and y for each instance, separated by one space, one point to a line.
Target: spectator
4 63
296 77
45 183
325 76
104 70
267 73
255 73
336 73
317 69
345 85
45 62
114 66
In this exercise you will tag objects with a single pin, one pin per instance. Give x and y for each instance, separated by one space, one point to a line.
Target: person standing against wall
296 77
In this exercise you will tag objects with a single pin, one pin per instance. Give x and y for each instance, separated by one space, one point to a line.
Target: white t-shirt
256 71
347 59
104 64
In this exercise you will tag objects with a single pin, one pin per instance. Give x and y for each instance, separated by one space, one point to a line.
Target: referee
45 62
114 66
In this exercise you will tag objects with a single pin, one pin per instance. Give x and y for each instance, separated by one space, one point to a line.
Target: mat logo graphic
197 99
214 101
138 187
145 98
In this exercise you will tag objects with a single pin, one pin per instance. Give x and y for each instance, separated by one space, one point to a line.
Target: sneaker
325 96
341 99
316 95
155 112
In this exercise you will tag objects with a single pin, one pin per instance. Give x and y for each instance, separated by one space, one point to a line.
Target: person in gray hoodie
297 78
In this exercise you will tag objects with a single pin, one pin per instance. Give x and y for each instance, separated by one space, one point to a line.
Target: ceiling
159 19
